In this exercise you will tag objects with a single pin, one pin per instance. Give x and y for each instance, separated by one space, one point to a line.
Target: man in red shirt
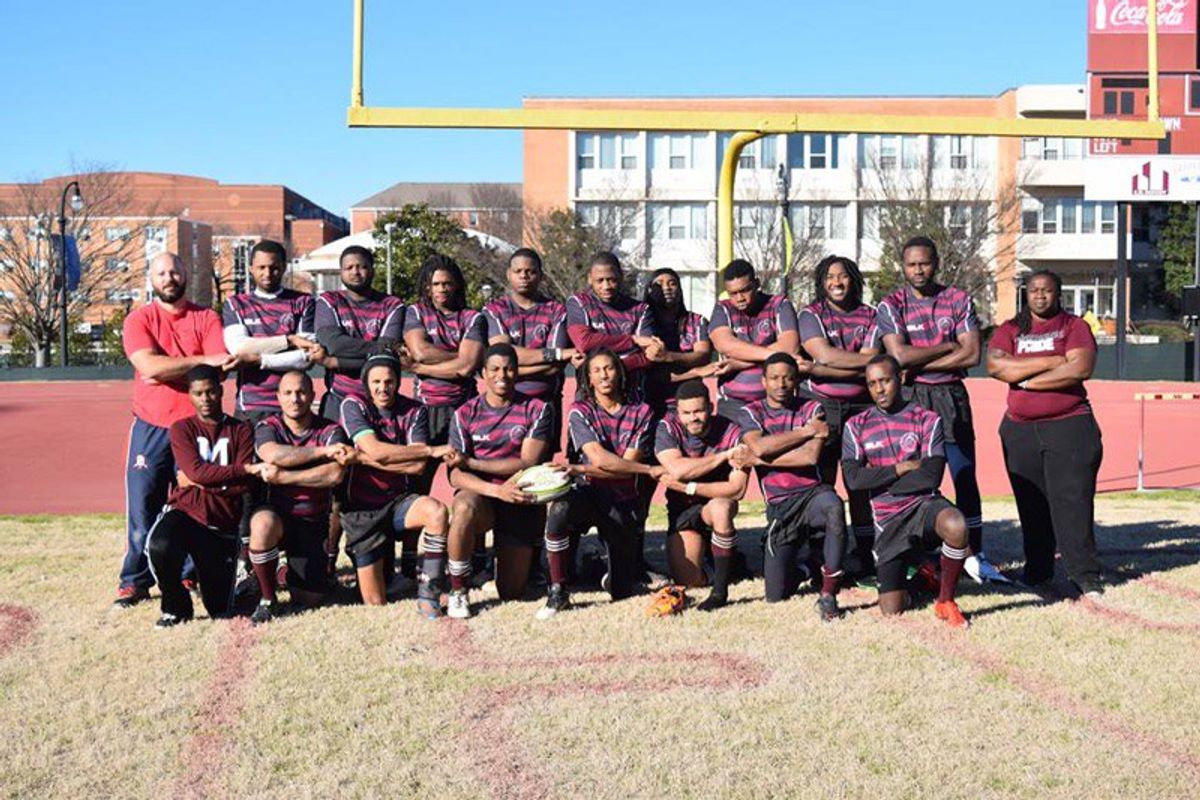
163 340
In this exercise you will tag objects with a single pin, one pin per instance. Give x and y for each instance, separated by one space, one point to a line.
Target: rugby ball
545 482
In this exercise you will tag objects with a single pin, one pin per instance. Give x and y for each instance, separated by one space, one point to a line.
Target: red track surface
64 442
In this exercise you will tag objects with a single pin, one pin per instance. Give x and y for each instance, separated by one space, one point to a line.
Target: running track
64 442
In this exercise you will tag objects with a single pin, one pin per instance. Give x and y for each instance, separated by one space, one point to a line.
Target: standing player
493 437
932 332
784 436
200 520
747 329
1052 444
838 333
895 451
390 433
308 452
603 317
693 446
610 432
163 340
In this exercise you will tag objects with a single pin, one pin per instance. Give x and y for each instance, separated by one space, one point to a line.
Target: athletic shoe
605 583
130 596
265 612
245 583
949 611
667 601
401 585
459 606
714 601
170 621
1090 590
191 585
867 582
557 600
827 608
652 576
428 607
926 577
981 570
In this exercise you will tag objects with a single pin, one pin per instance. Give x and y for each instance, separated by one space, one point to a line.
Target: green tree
565 245
1177 244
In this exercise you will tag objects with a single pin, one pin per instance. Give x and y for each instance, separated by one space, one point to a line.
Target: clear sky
255 91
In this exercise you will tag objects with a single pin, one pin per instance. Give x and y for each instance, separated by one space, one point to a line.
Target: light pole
389 229
76 206
288 219
783 184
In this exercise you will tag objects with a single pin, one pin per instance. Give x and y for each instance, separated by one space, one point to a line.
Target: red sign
1129 16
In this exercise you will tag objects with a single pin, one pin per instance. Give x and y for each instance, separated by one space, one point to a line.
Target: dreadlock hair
440 263
583 376
653 296
854 296
1024 317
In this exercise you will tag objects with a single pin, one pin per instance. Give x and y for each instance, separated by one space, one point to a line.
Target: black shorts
789 521
682 517
907 540
517 524
368 533
949 401
836 412
619 524
440 418
304 542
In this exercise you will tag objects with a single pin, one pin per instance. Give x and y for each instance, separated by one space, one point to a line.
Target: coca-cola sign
1129 16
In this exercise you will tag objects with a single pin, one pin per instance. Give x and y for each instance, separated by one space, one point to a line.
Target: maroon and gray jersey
445 332
286 313
780 483
850 331
720 435
623 317
627 429
542 326
213 456
681 337
776 316
927 322
379 316
879 439
299 501
480 430
406 422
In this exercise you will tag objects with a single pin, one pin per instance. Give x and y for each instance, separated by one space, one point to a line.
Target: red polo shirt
192 331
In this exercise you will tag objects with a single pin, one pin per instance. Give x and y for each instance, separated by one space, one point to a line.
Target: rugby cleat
557 600
949 612
714 601
130 596
428 607
170 621
459 606
827 608
1090 590
667 601
264 612
980 570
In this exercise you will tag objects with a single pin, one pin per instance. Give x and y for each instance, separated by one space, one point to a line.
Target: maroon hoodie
214 457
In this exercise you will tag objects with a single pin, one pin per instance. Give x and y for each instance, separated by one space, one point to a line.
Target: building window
629 143
1049 216
606 150
870 222
820 221
116 234
680 153
675 150
1110 104
678 221
1126 103
1031 148
1108 217
116 265
241 261
585 146
1066 215
1193 86
910 152
611 220
814 150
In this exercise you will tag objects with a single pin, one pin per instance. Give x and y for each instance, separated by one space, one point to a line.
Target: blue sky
255 91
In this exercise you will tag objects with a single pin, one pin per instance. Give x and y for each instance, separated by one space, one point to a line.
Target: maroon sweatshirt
214 457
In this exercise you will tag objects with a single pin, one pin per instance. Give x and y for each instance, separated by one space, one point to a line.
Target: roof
459 195
326 257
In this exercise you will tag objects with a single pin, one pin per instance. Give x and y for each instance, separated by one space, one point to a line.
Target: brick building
492 208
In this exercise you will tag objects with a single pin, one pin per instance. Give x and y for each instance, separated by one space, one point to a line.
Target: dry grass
1039 699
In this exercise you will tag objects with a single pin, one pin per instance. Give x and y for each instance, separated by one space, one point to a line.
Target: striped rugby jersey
480 430
445 331
720 435
542 326
850 331
286 313
781 483
299 501
624 317
682 337
628 428
379 316
776 316
406 422
879 439
928 321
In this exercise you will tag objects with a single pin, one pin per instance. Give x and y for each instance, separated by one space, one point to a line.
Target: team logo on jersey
287 321
139 462
1041 343
763 328
908 442
372 327
945 324
540 333
517 433
213 453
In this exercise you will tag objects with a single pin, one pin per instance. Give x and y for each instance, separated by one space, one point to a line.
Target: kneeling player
493 437
610 433
390 434
212 455
895 451
309 452
784 436
694 447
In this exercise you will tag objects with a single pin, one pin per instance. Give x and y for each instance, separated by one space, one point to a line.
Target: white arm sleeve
237 340
284 362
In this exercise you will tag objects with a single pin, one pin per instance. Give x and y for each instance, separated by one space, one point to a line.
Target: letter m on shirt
218 454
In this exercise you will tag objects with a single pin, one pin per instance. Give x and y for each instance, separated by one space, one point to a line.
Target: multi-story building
492 208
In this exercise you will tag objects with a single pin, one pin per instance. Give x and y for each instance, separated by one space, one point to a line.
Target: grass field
1042 698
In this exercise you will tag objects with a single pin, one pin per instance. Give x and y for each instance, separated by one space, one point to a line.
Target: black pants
585 507
1052 466
821 516
174 537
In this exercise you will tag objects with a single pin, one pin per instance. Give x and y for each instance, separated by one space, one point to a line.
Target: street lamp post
76 206
783 184
389 229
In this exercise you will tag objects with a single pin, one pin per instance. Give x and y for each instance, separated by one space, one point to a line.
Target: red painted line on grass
957 645
1105 611
17 624
206 749
1167 587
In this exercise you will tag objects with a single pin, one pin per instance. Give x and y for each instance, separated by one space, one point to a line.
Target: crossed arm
1044 373
431 361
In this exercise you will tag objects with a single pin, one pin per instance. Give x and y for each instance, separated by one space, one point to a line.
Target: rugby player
610 432
390 433
932 332
693 445
309 453
603 317
747 329
783 437
213 454
895 451
492 438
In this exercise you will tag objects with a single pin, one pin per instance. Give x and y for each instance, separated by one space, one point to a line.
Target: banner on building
1129 16
1141 179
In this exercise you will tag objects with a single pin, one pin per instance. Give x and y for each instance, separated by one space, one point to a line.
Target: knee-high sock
265 563
434 562
722 546
558 550
460 574
952 566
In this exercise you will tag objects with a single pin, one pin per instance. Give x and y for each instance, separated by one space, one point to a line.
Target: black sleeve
924 478
859 476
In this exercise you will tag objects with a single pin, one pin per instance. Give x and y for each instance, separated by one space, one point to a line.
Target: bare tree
759 237
564 243
500 211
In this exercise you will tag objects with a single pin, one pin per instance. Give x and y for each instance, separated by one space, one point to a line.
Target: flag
72 259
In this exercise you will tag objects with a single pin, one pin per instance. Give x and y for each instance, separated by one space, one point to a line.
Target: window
678 221
675 150
241 260
629 143
1049 216
819 221
116 234
681 153
870 222
606 150
1070 213
1088 219
910 149
959 222
1110 104
1031 148
473 218
747 218
1194 95
814 150
1051 147
1066 215
1126 103
585 145
1108 217
1030 214
611 220
116 265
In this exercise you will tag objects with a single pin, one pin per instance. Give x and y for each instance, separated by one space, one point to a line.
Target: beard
170 294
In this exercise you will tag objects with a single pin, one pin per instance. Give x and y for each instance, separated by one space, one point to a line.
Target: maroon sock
264 563
558 550
952 567
460 574
829 581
